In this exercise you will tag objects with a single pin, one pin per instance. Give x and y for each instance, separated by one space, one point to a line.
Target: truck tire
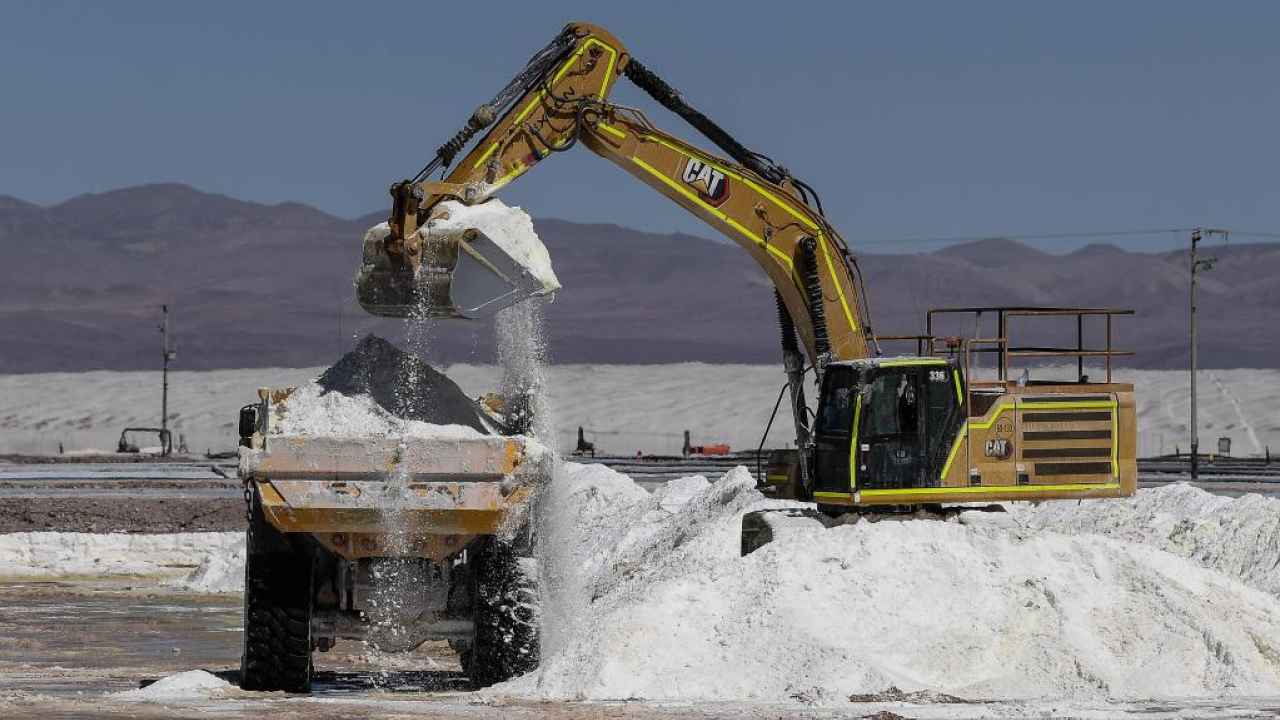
277 610
506 617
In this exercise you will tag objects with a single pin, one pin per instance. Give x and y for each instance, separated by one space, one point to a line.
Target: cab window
892 408
839 399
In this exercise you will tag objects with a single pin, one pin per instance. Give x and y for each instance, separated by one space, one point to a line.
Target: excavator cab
885 425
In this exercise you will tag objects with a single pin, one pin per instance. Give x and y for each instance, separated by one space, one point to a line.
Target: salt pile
669 611
377 390
59 554
190 685
1239 537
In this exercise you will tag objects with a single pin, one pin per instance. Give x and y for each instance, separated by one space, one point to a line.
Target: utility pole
170 352
1196 265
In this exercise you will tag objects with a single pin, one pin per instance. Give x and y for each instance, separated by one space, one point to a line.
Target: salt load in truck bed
382 430
386 506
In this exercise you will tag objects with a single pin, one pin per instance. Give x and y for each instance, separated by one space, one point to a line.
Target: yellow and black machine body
953 439
910 431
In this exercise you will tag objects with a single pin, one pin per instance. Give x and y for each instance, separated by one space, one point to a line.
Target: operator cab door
909 419
837 404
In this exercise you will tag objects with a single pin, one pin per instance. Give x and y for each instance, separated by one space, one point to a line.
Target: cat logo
711 184
999 449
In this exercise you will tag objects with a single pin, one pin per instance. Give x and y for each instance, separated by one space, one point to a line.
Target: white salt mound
193 684
313 411
59 554
668 610
510 228
1239 537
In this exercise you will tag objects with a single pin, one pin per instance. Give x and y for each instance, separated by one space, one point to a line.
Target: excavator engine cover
463 274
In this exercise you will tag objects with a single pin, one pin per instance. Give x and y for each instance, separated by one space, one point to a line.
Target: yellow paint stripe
777 478
613 57
485 156
988 423
519 168
960 438
978 490
955 374
821 239
683 191
1115 444
1040 406
564 70
785 206
833 495
907 363
687 151
853 444
1045 406
608 72
692 197
611 129
831 270
1067 406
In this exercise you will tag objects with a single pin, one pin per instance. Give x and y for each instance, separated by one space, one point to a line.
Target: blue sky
914 120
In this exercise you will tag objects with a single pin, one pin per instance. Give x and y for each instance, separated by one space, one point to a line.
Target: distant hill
254 285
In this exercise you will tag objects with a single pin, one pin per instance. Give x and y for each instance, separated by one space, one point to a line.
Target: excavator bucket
463 274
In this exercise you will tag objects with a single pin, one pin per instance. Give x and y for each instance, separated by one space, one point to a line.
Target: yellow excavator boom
760 208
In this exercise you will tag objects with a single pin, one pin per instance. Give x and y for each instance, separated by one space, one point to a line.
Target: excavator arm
561 100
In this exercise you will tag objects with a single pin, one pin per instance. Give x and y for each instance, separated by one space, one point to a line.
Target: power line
1039 236
1251 233
1056 236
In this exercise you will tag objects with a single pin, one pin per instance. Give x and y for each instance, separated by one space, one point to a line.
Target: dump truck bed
352 492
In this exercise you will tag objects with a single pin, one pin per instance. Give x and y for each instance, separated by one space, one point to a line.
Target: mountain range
253 285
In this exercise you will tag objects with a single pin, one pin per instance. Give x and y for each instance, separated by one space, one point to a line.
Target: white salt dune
625 408
665 609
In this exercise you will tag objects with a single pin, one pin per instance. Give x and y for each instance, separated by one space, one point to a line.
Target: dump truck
392 541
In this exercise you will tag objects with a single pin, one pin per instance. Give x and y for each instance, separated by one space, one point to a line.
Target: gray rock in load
401 384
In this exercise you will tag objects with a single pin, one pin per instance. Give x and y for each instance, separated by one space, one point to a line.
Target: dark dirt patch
114 458
121 515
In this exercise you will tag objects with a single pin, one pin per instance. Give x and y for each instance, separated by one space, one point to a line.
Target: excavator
888 431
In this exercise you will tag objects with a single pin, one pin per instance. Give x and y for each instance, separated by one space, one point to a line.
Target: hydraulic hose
671 99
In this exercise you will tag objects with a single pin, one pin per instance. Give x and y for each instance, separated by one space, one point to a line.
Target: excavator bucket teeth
462 275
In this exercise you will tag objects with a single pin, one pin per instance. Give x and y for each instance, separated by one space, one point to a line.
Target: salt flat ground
624 408
1162 606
